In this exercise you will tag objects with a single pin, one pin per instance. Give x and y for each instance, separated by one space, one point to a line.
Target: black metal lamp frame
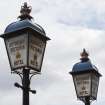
26 79
87 99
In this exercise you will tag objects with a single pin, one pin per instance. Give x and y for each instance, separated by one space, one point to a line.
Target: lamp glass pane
17 51
82 84
36 52
95 82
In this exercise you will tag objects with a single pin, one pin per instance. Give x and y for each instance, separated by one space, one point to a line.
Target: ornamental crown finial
84 55
25 12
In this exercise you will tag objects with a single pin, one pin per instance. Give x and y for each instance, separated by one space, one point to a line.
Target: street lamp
25 43
86 79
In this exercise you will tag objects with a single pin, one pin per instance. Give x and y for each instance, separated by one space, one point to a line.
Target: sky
72 25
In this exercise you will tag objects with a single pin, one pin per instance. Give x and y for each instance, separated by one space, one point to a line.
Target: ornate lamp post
25 44
86 79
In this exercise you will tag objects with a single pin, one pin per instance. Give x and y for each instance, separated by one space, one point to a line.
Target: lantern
25 42
86 78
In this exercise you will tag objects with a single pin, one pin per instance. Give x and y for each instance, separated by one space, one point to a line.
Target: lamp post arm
20 86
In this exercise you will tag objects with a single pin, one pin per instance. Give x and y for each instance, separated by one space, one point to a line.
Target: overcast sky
72 25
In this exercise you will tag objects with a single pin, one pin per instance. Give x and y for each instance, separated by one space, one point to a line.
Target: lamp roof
19 25
85 64
24 22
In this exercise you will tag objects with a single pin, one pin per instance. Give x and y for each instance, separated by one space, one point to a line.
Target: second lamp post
86 79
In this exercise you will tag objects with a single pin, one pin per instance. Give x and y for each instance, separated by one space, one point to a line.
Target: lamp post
86 79
25 43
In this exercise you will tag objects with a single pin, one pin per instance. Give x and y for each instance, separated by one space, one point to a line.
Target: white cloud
72 25
85 13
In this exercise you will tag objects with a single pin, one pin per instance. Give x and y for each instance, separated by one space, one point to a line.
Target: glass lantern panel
95 82
82 84
36 52
17 51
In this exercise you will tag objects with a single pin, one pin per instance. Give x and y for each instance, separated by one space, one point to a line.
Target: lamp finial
25 12
84 55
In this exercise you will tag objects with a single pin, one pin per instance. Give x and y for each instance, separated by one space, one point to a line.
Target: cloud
87 13
62 53
72 25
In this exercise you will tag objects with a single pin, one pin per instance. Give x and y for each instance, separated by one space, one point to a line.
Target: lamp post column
26 86
87 101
